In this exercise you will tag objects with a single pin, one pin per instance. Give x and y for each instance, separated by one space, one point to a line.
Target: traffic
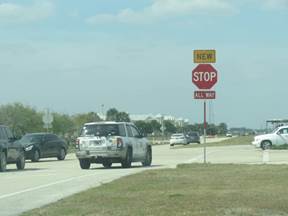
102 142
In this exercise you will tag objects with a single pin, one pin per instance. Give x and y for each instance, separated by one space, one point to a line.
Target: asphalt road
50 180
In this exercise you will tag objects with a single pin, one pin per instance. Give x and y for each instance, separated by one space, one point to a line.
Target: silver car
112 142
178 139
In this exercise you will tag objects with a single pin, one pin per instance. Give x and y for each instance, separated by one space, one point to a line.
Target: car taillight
77 143
119 143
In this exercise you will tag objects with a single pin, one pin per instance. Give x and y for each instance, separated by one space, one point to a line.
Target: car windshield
100 130
275 130
31 138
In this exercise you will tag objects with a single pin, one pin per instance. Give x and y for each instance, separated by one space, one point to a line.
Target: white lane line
44 186
83 176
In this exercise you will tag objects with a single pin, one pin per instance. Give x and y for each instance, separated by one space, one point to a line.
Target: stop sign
204 76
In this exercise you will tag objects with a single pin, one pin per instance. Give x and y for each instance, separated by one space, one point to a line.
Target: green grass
281 147
241 140
200 190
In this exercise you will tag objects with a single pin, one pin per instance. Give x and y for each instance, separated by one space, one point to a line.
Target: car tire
266 145
35 156
3 162
20 164
171 145
107 164
62 154
85 163
126 163
148 157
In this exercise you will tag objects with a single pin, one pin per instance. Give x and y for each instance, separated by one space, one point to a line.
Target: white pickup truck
278 137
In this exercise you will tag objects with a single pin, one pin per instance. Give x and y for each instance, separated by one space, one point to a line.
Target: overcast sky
72 56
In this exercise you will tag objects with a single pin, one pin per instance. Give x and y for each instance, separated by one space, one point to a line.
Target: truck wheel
36 156
266 144
107 164
148 157
21 162
62 154
126 163
3 162
84 163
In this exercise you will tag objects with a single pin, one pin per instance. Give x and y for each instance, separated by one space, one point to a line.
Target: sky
72 56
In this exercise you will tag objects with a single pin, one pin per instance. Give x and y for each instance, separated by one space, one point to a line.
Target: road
50 180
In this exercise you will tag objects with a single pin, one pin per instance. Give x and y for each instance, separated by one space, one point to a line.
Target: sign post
47 119
205 127
204 76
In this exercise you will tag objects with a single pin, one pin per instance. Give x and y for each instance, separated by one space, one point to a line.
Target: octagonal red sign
204 76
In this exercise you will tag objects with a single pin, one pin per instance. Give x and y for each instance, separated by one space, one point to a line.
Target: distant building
159 118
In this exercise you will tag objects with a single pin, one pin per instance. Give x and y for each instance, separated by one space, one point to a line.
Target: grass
200 190
280 147
241 140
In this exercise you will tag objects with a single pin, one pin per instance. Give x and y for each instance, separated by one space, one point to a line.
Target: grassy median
210 190
241 140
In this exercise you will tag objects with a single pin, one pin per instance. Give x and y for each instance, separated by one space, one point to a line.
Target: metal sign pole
204 76
205 126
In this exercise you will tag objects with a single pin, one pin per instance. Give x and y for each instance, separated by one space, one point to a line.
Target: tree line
154 128
24 119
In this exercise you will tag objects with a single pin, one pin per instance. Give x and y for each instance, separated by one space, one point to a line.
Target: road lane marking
45 186
83 176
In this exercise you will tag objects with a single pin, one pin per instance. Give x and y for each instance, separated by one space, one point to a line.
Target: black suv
43 145
10 151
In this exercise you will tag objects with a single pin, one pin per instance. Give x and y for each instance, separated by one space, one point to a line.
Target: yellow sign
204 56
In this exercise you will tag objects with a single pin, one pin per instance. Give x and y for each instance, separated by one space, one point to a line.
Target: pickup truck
278 137
11 151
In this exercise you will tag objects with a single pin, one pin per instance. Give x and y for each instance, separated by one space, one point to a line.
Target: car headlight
29 148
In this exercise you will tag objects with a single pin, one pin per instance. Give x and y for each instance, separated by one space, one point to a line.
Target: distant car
193 137
229 135
178 139
112 142
278 137
11 152
43 145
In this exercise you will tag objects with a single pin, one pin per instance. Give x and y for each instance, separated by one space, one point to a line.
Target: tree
211 129
63 124
169 126
222 128
144 127
21 119
193 128
113 115
80 119
155 126
122 117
